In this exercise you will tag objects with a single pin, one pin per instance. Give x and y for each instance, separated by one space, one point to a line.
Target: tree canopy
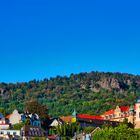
35 107
92 93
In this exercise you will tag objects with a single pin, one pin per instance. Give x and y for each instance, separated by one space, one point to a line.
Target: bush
122 132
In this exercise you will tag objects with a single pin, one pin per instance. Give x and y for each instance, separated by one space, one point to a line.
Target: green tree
18 126
122 132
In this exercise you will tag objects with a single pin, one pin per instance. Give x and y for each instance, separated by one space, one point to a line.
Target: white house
55 123
5 134
14 118
4 124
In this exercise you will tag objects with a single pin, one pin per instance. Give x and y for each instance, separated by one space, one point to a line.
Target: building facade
10 134
131 113
14 118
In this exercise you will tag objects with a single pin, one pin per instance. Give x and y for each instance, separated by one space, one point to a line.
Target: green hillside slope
91 93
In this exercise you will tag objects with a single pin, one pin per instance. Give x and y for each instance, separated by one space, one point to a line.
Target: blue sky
46 38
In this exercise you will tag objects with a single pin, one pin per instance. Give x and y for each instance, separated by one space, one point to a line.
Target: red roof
134 107
85 116
53 137
124 108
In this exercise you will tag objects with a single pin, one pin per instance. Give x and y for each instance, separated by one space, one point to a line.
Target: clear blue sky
44 38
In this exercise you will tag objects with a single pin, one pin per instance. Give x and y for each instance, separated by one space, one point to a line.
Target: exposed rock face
129 82
109 83
94 91
1 91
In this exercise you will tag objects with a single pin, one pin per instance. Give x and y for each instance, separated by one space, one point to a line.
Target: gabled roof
134 107
52 137
8 116
66 119
85 116
124 108
56 122
109 112
33 131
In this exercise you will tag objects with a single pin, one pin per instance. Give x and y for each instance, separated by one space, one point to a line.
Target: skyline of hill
89 93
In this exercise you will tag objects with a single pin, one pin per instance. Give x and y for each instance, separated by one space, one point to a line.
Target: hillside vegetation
91 93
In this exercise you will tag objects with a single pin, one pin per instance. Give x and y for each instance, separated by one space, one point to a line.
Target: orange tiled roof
8 116
66 119
109 112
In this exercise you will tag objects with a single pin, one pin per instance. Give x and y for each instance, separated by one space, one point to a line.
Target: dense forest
91 93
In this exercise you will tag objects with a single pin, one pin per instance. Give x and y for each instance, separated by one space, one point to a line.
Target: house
31 132
14 118
132 113
54 137
33 118
4 123
10 134
95 121
55 122
4 126
66 119
86 120
135 114
69 119
120 113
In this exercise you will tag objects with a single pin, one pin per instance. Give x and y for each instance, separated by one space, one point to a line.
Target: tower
137 121
131 115
74 116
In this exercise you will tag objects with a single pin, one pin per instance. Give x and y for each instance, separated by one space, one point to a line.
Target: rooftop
122 108
85 116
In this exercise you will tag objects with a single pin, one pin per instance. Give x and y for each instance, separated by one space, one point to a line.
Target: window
22 133
1 133
36 133
39 133
14 133
8 133
30 133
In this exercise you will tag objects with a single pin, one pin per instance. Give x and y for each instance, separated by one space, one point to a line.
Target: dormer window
138 100
125 113
106 117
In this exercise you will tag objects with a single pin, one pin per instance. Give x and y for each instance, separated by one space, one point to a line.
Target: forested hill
91 93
